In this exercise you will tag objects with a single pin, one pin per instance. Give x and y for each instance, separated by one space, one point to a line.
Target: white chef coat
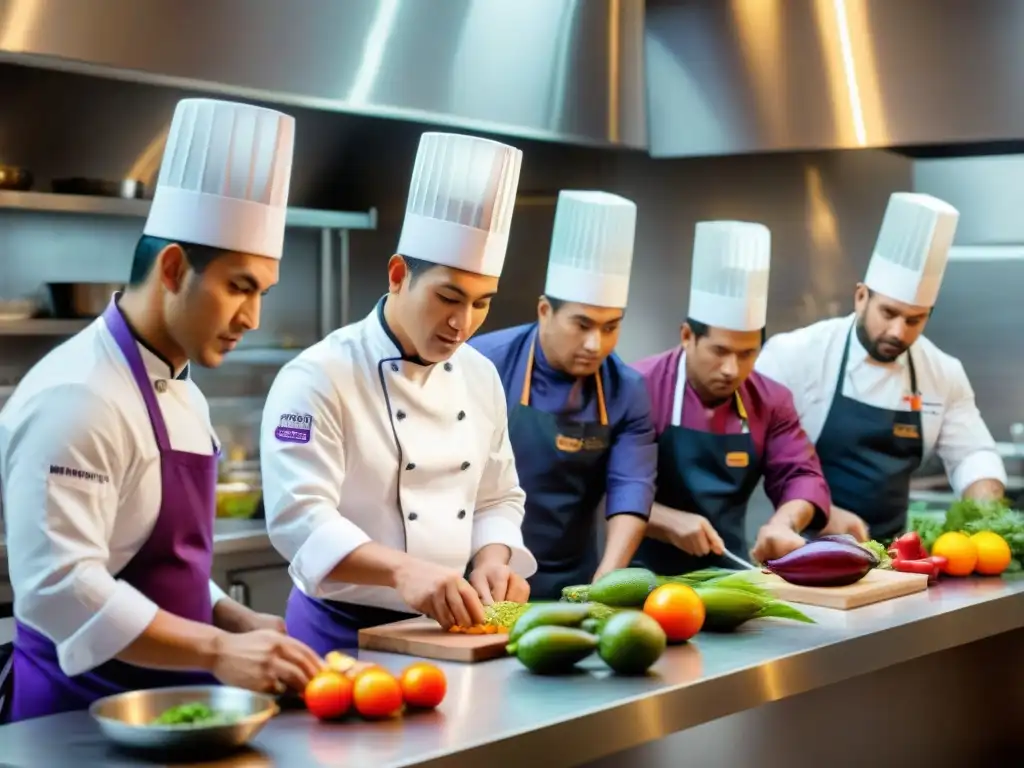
69 534
807 361
413 457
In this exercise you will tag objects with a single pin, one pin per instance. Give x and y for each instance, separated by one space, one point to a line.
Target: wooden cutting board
424 637
873 588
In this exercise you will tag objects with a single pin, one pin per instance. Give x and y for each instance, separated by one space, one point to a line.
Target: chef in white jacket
386 464
875 395
108 461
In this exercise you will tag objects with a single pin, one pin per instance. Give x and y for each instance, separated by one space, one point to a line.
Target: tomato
678 609
423 685
329 695
377 693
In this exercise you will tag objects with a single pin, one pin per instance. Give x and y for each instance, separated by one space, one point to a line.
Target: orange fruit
328 695
960 553
993 553
423 685
678 609
376 693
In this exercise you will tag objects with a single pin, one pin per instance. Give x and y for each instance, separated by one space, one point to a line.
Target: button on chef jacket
632 461
807 362
360 444
81 490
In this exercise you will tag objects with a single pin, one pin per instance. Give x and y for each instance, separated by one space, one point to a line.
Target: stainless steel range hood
565 70
737 76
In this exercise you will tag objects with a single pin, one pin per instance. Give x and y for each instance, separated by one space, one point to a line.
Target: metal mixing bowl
127 718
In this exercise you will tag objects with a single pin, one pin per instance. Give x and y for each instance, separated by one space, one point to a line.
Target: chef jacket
807 362
81 490
360 444
789 462
633 456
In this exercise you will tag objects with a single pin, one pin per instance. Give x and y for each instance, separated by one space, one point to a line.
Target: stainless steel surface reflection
127 718
497 713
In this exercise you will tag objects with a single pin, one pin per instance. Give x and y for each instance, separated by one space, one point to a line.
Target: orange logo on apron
737 459
908 431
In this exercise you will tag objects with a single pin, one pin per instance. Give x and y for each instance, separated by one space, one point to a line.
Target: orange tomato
678 609
960 552
423 685
329 695
377 693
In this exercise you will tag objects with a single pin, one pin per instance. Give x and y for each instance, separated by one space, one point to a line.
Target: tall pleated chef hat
461 199
913 243
729 281
224 177
591 248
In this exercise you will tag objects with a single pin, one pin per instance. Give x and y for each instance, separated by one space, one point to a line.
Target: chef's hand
440 593
692 533
265 661
775 540
235 617
495 582
843 521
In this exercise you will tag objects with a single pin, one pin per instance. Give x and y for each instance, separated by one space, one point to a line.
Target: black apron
868 454
706 474
563 467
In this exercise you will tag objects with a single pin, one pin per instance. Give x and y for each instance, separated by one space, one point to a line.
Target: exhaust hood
742 76
562 70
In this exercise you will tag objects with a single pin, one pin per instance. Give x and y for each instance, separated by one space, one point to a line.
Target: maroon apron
172 569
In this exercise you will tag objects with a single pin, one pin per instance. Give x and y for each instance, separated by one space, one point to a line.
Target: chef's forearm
231 616
492 553
624 533
370 564
658 524
985 490
796 514
171 642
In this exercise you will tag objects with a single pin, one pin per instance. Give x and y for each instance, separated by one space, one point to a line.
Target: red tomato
329 695
377 693
423 685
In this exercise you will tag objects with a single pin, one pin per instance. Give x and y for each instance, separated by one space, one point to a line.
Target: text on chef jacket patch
294 428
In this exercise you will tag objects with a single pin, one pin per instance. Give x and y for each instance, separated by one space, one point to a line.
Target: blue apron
707 474
563 467
868 454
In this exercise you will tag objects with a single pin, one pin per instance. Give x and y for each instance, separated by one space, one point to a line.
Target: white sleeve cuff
328 545
491 528
121 620
216 593
980 465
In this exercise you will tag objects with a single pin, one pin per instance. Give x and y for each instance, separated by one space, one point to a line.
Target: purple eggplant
843 538
824 563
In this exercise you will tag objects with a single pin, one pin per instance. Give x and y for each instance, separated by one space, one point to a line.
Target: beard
873 345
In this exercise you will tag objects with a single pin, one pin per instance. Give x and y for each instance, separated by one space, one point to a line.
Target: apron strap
914 398
524 397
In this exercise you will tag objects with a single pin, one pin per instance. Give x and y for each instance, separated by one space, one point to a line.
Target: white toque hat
224 177
461 199
729 283
591 248
912 248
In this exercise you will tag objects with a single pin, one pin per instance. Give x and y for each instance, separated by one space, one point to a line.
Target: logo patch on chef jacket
294 428
79 474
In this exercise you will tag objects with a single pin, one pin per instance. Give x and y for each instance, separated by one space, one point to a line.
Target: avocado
624 588
551 649
630 642
561 614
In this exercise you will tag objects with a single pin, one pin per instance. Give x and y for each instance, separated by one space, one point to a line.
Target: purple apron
172 569
328 625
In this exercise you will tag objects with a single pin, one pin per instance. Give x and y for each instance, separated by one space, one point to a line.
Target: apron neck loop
679 396
524 397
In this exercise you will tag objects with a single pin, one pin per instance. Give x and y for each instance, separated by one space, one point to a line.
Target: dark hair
871 295
556 304
417 267
148 248
700 330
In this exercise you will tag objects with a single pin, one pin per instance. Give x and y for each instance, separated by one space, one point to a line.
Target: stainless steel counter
496 712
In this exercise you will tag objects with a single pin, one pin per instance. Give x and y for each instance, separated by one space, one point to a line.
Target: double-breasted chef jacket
807 362
81 490
359 444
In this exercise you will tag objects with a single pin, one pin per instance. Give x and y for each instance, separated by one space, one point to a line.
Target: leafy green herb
878 550
193 713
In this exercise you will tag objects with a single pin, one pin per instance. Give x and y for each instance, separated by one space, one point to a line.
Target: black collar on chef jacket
183 376
394 339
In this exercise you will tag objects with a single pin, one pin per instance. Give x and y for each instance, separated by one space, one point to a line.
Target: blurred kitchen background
801 114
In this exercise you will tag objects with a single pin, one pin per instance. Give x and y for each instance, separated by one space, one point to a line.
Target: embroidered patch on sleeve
294 428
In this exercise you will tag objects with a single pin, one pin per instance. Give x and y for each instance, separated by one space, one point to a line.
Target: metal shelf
92 205
41 327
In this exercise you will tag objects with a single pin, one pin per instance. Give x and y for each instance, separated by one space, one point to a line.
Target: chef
108 462
387 469
875 395
579 418
723 427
